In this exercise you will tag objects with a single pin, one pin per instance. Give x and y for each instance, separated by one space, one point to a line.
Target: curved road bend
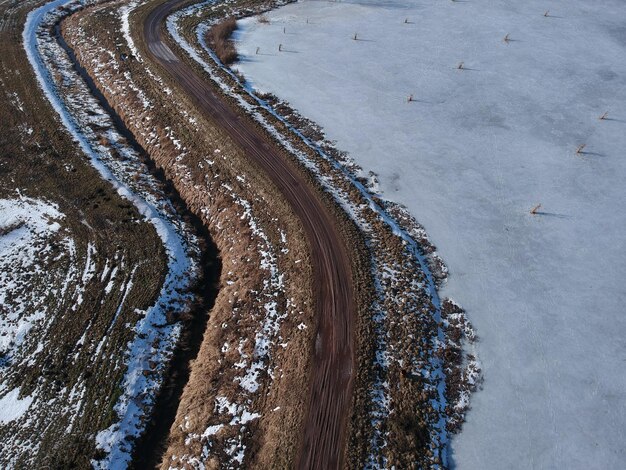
332 378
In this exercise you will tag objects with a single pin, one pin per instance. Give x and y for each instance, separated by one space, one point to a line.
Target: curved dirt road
332 378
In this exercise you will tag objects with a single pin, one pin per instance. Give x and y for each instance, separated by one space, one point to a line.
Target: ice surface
474 151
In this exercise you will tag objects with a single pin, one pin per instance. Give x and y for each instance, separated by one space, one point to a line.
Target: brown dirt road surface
324 432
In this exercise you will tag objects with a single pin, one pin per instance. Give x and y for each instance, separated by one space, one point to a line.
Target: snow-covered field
470 155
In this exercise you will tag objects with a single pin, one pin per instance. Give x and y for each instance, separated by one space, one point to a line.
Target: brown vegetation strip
219 39
332 376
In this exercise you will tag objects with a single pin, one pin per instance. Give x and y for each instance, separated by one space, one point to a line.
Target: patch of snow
26 226
12 407
90 264
212 430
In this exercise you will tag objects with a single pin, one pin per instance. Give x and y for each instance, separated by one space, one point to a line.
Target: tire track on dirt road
331 383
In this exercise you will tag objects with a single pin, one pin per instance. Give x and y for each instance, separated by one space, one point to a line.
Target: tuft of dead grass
219 39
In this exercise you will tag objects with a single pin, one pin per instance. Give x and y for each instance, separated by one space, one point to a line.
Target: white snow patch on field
25 228
469 156
12 407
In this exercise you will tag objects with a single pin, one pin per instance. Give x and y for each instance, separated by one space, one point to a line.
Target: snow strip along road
332 375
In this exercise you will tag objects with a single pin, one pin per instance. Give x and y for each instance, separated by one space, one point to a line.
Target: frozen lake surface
470 156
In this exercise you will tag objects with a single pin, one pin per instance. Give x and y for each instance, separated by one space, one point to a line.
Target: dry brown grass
534 210
219 39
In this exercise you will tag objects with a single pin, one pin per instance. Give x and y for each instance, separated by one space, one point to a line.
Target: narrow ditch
150 447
